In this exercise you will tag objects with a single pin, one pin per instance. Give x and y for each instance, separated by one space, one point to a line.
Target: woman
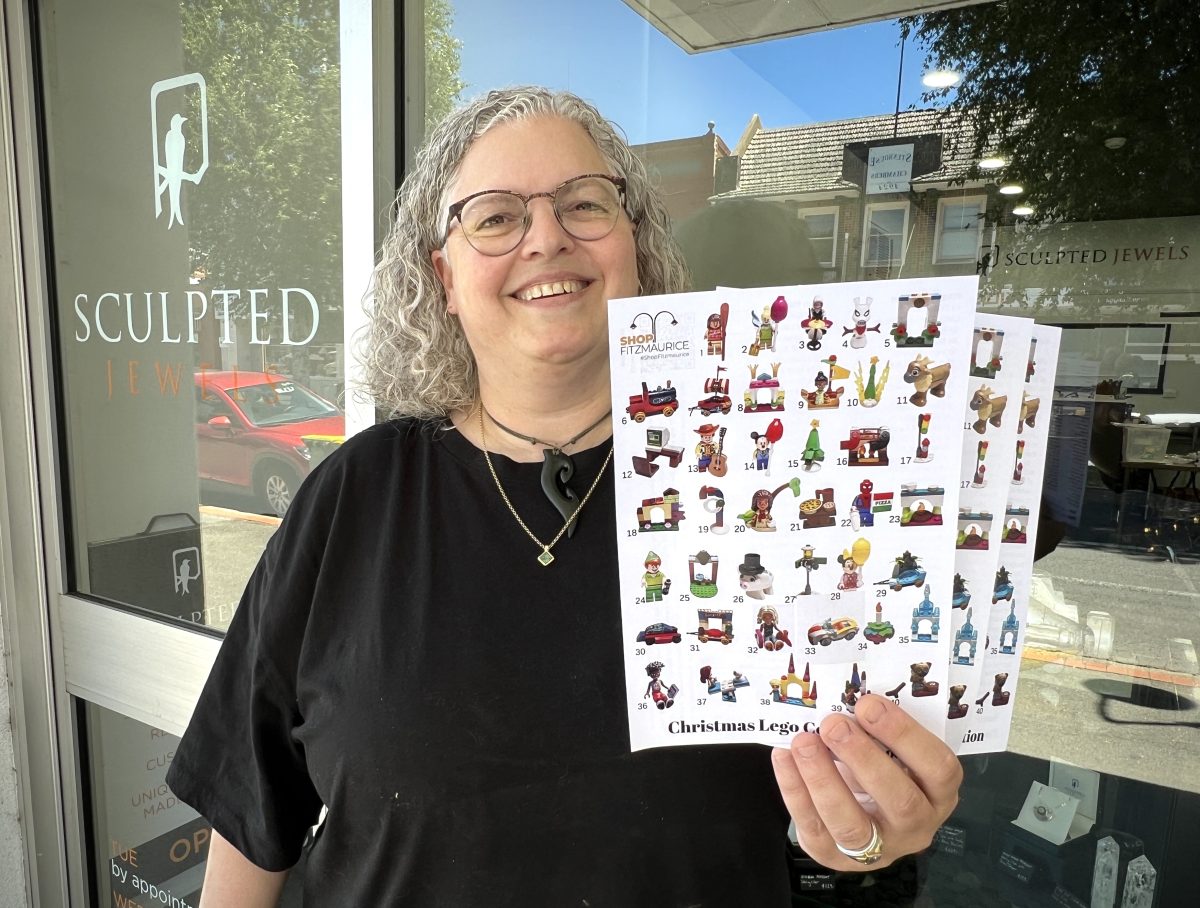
430 650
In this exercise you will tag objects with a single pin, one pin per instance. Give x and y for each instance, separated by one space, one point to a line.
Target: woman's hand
836 803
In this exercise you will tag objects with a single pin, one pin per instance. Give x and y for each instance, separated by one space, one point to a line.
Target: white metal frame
898 255
938 258
836 211
62 646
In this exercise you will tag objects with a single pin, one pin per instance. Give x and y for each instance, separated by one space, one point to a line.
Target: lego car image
659 633
911 577
906 571
828 631
1002 592
652 403
250 434
713 635
719 403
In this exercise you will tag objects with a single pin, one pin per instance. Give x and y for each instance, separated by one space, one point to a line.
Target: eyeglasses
495 221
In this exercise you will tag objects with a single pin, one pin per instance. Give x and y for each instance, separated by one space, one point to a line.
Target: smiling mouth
554 288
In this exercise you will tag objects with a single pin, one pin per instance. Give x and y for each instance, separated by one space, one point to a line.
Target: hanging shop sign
889 169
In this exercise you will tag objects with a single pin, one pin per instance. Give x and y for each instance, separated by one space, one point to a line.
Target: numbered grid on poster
787 503
1000 349
989 714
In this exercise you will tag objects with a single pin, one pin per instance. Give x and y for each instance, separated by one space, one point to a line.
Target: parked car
659 633
250 431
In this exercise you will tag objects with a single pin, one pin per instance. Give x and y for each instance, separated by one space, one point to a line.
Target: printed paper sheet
788 500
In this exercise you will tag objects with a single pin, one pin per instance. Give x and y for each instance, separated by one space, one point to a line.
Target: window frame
805 213
939 224
868 209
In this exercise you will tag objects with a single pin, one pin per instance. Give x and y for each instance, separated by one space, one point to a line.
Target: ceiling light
941 78
992 163
1011 189
1022 211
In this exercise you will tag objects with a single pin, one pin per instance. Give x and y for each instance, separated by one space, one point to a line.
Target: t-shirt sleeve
240 764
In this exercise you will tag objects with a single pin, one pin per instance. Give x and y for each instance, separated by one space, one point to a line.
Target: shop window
884 230
822 225
959 229
197 235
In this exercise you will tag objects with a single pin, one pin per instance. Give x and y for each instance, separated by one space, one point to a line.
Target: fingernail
806 745
869 709
837 730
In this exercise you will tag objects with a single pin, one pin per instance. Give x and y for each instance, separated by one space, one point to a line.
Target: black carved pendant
557 470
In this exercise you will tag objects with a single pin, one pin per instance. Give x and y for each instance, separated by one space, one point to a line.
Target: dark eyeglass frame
454 212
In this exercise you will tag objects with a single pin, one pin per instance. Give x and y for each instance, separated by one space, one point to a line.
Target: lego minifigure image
765 335
767 325
653 582
852 561
816 324
761 511
825 394
705 448
714 332
759 516
861 505
762 452
769 635
662 695
764 444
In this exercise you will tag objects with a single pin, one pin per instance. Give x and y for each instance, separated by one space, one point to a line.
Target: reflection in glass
196 196
149 848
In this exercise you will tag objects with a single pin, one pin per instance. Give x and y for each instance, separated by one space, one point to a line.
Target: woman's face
507 305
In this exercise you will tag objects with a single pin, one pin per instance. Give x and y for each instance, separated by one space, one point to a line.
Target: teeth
552 289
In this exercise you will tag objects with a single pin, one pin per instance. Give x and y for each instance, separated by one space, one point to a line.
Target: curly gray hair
417 361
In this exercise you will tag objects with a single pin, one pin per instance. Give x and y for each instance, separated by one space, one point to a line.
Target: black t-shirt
401 657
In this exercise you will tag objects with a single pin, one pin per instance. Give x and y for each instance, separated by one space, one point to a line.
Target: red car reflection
250 429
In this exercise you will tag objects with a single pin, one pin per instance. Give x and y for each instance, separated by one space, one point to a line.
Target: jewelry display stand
1084 784
1049 813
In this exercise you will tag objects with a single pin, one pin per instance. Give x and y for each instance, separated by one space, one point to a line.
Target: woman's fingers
899 802
910 800
822 806
931 764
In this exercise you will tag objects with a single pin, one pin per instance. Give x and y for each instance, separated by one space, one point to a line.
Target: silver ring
869 854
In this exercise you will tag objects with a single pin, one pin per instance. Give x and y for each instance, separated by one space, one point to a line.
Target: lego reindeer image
926 379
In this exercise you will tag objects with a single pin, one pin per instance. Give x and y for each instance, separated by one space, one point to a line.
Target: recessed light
1011 189
941 78
1022 211
992 163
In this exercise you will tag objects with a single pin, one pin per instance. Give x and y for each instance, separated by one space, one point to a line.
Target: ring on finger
870 853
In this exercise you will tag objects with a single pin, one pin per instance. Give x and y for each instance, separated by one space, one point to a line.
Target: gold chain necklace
546 558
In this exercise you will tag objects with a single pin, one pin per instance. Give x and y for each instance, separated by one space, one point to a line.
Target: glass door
206 179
